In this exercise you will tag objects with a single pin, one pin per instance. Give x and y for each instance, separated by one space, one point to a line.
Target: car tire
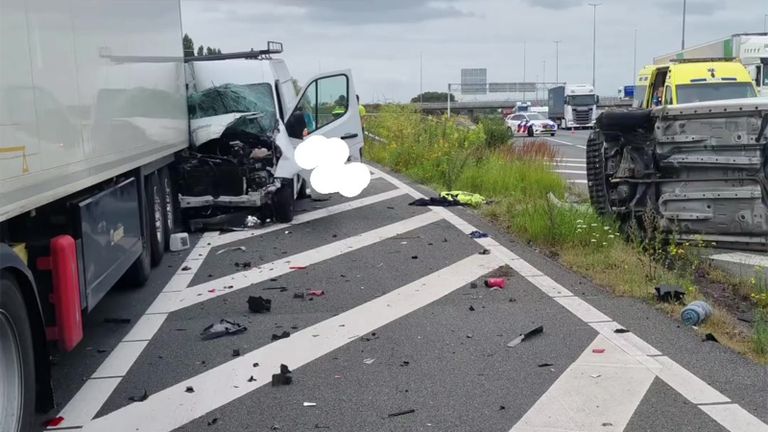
597 181
530 131
17 359
169 216
283 201
157 223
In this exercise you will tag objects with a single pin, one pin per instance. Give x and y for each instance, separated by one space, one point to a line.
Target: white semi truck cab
573 106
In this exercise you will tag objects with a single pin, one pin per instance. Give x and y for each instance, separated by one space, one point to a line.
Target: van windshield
690 93
581 100
234 98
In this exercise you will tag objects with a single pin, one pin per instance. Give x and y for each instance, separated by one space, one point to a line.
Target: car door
513 121
328 106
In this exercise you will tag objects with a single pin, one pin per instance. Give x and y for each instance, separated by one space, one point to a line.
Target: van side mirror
295 125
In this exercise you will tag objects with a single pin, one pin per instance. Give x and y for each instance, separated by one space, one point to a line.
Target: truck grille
583 117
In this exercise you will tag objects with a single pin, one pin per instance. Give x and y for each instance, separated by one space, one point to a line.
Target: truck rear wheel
17 371
157 210
596 177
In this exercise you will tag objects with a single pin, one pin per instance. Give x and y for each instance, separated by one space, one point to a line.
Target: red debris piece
316 293
297 267
598 350
54 421
495 283
212 290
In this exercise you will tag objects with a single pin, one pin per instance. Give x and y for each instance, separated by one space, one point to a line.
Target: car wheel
169 217
17 394
530 131
157 210
597 180
283 201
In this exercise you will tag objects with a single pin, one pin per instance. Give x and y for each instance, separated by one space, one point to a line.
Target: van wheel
530 131
302 193
170 206
155 195
283 201
17 394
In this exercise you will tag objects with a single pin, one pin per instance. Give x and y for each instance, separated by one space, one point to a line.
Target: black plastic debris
502 407
435 202
282 378
186 268
400 413
415 257
478 234
255 365
141 398
235 352
542 365
471 308
223 328
512 299
213 421
525 336
405 363
243 265
251 379
372 337
473 285
709 337
117 320
621 331
277 288
259 304
189 389
669 293
484 252
283 335
298 295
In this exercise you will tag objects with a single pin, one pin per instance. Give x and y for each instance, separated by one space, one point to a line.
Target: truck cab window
668 96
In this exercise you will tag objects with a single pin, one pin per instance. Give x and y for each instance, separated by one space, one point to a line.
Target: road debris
251 221
373 336
498 283
223 328
186 268
542 365
54 421
598 350
405 363
233 248
471 308
434 202
502 407
213 421
669 293
243 265
251 379
189 389
141 398
400 413
524 336
117 320
415 257
255 365
695 313
596 375
276 288
369 361
259 304
478 234
484 252
235 352
178 242
316 293
709 337
298 295
310 404
621 331
297 267
283 335
282 378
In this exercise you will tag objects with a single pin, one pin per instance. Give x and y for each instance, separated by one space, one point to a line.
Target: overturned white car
246 119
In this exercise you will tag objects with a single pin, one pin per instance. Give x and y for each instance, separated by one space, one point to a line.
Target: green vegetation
446 154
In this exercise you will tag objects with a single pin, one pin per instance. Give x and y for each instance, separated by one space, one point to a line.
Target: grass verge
518 178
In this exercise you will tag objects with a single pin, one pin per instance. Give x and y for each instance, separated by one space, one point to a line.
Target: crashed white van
247 116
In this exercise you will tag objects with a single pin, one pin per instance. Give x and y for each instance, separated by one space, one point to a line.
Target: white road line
583 310
749 259
92 395
567 143
629 342
306 217
735 418
680 379
598 392
170 302
173 407
560 171
124 355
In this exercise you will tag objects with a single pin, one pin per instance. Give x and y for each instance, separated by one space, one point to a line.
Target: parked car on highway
530 124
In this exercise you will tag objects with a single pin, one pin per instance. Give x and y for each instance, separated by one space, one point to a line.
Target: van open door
328 106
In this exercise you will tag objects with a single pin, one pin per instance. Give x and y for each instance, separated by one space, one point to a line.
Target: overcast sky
381 40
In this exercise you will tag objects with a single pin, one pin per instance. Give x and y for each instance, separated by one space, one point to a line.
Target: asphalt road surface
405 337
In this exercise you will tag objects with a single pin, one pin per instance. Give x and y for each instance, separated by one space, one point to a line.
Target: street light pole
685 3
594 40
557 61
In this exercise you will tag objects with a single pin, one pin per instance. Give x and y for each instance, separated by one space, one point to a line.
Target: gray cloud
554 4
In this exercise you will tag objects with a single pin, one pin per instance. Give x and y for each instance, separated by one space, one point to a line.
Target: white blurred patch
327 158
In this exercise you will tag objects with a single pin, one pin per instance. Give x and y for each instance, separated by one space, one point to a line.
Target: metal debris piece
369 361
310 404
233 248
400 413
524 336
283 335
621 331
223 328
259 304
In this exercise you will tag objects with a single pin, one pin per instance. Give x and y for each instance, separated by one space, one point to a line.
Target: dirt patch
724 297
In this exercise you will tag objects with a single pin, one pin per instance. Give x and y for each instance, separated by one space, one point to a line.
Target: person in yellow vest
340 107
361 108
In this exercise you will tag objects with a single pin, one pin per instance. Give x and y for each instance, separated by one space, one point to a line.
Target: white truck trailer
750 48
573 106
96 161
